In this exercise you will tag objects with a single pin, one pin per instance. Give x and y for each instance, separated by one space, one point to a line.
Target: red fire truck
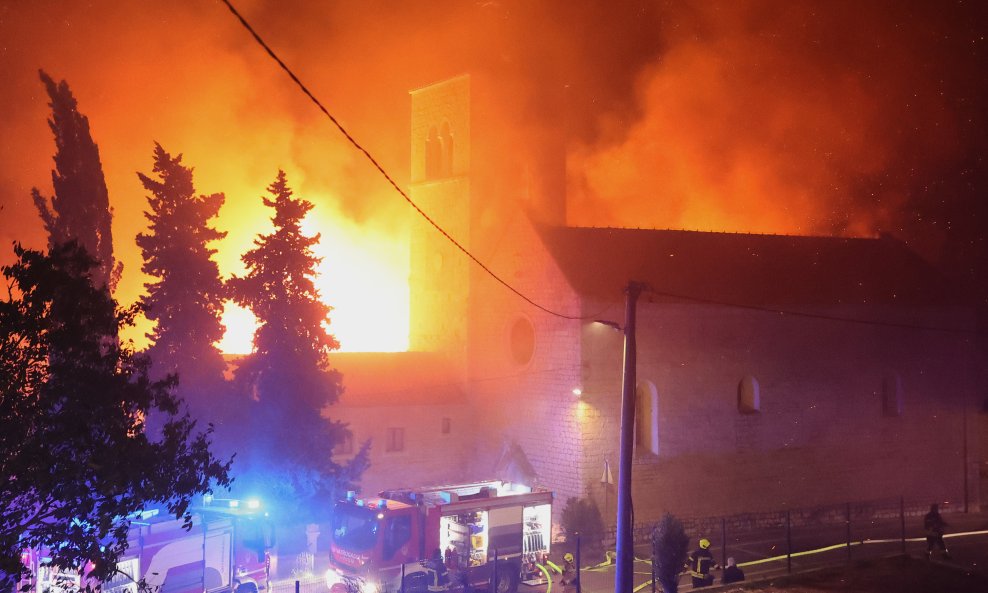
226 549
441 538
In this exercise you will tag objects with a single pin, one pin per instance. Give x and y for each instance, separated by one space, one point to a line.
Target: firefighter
436 563
701 562
569 570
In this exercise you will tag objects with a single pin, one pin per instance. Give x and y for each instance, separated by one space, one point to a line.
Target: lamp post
624 575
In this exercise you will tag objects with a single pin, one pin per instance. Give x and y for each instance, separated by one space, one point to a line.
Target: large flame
363 276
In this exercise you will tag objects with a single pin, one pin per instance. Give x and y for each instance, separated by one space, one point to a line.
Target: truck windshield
355 528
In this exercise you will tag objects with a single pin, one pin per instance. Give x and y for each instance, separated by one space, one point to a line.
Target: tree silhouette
87 437
288 448
670 545
80 207
185 297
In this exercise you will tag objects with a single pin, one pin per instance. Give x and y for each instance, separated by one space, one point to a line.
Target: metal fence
773 542
861 513
776 542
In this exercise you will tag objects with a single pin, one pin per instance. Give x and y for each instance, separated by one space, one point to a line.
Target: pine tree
87 437
289 448
80 208
185 299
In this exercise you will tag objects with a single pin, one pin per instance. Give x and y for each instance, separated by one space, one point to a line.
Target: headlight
333 578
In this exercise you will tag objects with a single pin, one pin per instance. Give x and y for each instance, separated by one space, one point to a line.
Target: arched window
433 154
446 138
749 396
647 418
892 395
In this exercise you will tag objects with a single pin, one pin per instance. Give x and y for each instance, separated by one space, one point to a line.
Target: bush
581 515
670 545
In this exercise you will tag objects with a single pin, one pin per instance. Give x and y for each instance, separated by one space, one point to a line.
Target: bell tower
439 276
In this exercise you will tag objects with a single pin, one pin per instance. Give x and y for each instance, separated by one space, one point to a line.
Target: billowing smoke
797 117
767 116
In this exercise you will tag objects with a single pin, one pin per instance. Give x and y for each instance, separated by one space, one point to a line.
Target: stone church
773 371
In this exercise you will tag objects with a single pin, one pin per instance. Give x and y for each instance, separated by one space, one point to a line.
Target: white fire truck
226 549
482 535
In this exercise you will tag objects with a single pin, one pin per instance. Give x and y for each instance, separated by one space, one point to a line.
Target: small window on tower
446 425
749 396
446 138
433 154
395 440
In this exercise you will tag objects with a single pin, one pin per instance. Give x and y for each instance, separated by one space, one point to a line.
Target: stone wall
428 457
823 433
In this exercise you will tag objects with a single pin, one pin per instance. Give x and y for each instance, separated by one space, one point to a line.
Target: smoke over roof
769 116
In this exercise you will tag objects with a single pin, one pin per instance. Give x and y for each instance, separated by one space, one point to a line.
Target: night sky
795 117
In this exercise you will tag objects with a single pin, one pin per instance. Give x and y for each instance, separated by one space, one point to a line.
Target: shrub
581 515
670 545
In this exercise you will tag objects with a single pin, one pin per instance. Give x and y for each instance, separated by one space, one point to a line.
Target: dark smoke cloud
800 117
776 116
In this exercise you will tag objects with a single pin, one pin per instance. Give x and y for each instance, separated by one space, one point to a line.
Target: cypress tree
80 207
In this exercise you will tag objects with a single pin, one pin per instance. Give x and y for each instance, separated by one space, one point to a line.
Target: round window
522 340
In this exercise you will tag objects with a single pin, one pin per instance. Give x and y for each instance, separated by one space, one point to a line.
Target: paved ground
762 554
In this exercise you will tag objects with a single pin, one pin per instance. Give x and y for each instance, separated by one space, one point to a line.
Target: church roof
746 269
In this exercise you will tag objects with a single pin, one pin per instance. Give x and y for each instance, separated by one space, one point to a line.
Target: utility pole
624 575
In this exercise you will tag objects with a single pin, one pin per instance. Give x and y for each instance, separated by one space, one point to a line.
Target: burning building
774 371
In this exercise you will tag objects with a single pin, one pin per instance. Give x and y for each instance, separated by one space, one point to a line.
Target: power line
822 316
388 177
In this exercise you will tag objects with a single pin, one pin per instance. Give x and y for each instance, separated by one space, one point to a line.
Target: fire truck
226 549
486 535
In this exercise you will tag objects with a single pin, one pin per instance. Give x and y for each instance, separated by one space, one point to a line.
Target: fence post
401 586
788 541
579 582
297 586
494 578
723 539
848 521
653 572
902 520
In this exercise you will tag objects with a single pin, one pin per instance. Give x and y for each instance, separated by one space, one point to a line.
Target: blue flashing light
351 496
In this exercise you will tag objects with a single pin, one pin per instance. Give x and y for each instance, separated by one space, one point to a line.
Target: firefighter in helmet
700 563
569 569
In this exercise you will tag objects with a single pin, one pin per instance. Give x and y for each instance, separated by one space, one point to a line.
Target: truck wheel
507 579
244 588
